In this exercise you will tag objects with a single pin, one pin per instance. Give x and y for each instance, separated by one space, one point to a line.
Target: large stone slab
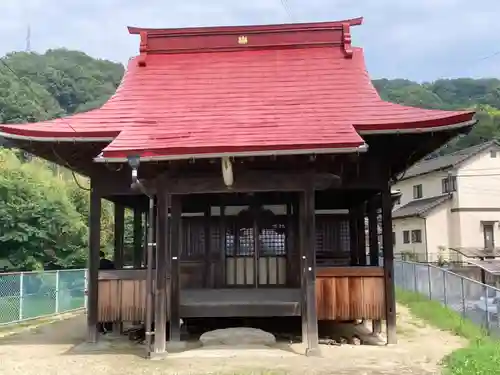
237 337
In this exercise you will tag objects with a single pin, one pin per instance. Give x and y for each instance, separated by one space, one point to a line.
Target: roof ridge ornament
143 49
347 40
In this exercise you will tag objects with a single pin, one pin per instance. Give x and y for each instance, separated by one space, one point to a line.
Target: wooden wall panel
122 300
133 307
349 297
109 301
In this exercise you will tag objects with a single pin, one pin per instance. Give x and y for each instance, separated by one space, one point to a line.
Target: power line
286 7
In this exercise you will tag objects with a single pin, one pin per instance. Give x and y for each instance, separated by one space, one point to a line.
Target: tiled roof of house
419 207
446 161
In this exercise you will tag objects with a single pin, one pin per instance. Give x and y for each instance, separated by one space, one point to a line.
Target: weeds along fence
30 295
475 301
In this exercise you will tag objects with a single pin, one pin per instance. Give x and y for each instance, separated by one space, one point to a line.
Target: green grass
480 357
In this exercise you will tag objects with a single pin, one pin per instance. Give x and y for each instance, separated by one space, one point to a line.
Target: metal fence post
487 316
415 284
445 296
57 308
21 295
85 299
429 280
462 286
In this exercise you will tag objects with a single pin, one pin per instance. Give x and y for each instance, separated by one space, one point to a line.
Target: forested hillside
43 212
482 95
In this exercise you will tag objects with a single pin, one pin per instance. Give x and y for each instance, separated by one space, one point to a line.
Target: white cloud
421 40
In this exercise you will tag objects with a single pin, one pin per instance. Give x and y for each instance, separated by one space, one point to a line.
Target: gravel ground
57 349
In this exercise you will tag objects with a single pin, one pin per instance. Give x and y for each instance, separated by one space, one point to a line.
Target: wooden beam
93 263
349 272
119 229
388 248
175 251
308 285
138 238
160 346
249 181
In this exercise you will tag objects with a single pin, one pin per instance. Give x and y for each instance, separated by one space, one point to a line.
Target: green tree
38 221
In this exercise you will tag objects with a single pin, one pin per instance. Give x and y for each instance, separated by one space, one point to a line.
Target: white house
452 201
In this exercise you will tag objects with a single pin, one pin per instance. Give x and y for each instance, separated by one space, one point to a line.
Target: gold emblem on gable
242 39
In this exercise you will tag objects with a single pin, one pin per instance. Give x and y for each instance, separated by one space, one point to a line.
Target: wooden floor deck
240 302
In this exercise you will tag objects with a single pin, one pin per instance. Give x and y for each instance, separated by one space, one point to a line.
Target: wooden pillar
390 297
93 263
353 235
119 237
372 208
160 345
289 246
207 230
148 261
119 229
144 258
297 256
308 279
138 238
155 231
175 251
222 245
361 232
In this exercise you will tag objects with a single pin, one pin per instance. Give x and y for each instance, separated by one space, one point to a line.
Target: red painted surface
196 40
291 90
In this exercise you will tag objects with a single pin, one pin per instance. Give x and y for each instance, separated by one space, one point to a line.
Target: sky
421 40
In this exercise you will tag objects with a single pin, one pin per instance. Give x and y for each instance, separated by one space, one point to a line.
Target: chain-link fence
28 295
475 301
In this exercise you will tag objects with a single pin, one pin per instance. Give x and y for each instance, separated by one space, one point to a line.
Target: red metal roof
260 89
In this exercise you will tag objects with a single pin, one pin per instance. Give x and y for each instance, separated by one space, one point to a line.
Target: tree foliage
44 209
482 95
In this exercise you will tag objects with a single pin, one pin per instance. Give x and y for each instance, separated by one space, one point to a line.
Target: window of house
449 184
416 236
417 191
393 238
406 236
493 153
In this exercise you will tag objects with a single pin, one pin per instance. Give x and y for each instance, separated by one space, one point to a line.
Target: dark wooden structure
262 157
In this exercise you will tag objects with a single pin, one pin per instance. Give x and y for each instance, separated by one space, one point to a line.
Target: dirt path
49 350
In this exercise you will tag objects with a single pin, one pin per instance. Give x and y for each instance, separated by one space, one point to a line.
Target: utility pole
28 39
